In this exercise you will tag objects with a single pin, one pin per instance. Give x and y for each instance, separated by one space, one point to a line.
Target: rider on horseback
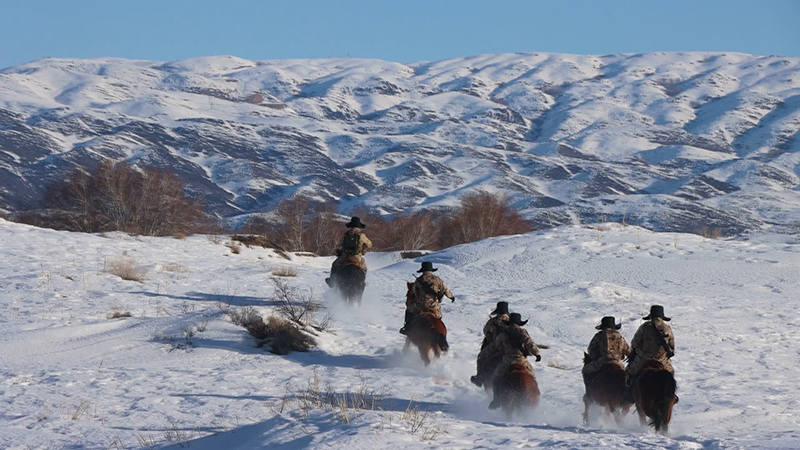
515 345
607 346
653 341
354 245
489 354
428 293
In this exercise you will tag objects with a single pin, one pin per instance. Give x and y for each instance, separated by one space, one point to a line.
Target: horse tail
665 399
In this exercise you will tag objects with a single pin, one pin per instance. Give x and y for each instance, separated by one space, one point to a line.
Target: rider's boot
328 282
628 395
408 319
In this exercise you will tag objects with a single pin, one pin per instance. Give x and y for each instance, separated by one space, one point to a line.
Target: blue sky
404 31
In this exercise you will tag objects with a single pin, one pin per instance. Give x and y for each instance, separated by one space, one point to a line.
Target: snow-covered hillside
671 141
733 303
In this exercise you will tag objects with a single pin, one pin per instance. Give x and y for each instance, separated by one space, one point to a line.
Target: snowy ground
733 303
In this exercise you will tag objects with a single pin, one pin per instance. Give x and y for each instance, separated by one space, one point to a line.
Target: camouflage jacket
363 245
647 345
514 345
606 346
428 292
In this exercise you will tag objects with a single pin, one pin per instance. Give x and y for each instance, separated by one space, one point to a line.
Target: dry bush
285 271
179 235
293 304
117 315
481 215
243 316
234 246
117 197
174 268
710 232
127 269
280 335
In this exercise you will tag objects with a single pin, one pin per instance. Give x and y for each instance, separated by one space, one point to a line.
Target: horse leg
642 416
408 344
424 349
587 403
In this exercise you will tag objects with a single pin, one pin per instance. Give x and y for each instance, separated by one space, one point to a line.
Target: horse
516 390
350 281
654 393
605 387
426 331
487 366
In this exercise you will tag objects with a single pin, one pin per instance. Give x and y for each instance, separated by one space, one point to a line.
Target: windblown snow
670 141
71 378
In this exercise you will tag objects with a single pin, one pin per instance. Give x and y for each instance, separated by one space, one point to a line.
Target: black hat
355 222
427 266
502 308
517 319
608 322
657 311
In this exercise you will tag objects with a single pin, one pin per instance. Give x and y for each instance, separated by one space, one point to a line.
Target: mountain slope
672 141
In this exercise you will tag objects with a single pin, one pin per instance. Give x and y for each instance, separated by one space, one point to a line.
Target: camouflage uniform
647 346
514 345
428 292
606 346
489 356
353 255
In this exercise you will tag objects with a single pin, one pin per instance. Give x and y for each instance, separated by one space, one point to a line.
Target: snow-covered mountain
672 141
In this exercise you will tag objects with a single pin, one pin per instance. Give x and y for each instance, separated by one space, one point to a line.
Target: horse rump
655 396
428 333
517 389
350 280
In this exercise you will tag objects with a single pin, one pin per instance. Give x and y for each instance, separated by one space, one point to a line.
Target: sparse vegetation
298 306
710 232
118 197
285 271
117 315
234 247
127 269
557 365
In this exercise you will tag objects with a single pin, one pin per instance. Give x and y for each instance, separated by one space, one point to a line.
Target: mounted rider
607 346
354 246
428 293
489 356
514 345
653 341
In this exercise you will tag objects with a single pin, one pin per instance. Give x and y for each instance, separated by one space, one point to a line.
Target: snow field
733 304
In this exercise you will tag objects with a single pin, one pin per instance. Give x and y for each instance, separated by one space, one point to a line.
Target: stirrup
495 404
476 380
403 331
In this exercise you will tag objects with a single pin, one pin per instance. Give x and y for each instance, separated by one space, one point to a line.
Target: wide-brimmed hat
657 311
502 308
608 322
427 266
517 319
355 222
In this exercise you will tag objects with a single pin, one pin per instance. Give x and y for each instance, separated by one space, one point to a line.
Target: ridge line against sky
407 31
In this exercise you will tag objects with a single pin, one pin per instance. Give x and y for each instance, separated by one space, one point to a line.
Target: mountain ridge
671 141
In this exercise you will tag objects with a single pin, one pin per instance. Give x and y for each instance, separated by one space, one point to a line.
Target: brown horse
516 390
605 387
426 331
654 393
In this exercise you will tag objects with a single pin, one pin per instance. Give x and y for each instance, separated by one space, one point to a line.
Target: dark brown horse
350 281
426 331
605 387
516 390
654 393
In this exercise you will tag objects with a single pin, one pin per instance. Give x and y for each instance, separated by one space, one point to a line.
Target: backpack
350 242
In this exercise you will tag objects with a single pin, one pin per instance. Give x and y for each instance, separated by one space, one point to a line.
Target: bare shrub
279 335
81 410
285 271
234 247
174 268
243 316
481 215
298 306
179 235
710 232
117 315
117 197
127 269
